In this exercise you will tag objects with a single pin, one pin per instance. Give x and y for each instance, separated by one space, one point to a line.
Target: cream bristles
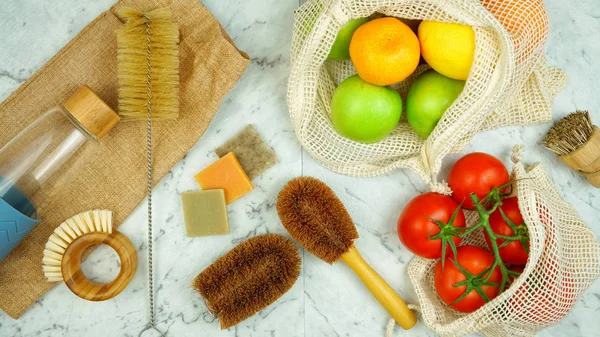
148 65
66 233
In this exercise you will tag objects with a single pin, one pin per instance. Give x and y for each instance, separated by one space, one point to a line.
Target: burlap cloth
116 178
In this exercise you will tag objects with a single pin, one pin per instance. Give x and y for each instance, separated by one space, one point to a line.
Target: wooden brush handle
587 157
593 178
382 291
80 285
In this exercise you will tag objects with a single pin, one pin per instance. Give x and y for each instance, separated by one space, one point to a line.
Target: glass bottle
43 156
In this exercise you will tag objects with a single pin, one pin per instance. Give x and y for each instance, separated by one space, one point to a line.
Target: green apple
428 98
341 47
365 112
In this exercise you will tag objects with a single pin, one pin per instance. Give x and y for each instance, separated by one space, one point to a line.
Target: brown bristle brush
577 143
249 277
317 219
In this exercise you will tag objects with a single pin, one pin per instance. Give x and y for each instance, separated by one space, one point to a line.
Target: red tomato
476 173
415 226
513 253
546 298
474 260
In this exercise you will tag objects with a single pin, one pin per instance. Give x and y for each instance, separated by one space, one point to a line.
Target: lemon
448 48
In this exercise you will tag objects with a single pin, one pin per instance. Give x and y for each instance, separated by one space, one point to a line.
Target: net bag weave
509 84
564 260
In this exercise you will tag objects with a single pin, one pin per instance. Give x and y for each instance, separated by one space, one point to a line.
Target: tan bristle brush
148 65
64 249
249 277
66 233
148 73
317 219
577 143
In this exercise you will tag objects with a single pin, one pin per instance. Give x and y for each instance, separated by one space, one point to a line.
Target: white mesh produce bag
509 84
564 260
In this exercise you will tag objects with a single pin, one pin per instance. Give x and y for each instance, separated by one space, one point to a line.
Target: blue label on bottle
15 217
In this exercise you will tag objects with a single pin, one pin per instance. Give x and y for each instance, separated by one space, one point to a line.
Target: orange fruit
525 21
384 51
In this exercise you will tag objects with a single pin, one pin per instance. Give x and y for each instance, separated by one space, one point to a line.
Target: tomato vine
485 207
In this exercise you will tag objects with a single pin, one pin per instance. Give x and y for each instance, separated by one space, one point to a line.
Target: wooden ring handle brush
62 256
317 219
80 285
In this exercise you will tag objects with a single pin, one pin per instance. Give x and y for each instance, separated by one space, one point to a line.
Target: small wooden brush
577 143
317 219
249 277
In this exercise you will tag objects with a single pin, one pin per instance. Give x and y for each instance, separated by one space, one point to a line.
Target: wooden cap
91 111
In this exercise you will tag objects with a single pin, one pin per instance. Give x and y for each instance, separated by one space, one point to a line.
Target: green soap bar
205 213
253 153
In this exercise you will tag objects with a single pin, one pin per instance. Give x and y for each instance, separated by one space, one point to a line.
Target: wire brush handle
380 289
150 327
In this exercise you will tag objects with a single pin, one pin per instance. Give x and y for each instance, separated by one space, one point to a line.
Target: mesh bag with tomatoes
515 263
509 82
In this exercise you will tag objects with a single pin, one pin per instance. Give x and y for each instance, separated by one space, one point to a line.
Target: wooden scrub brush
249 277
317 219
577 143
62 255
148 74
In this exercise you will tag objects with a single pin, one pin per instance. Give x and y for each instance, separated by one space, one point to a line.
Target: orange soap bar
226 174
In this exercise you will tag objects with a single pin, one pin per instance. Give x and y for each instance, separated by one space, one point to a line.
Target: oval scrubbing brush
249 277
318 220
148 73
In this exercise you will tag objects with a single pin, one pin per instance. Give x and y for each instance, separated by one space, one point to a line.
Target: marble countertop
327 301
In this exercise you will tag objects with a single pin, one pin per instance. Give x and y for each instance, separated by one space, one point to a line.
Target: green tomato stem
484 221
448 232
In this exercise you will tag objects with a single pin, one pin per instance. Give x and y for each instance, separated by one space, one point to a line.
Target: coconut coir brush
317 219
249 277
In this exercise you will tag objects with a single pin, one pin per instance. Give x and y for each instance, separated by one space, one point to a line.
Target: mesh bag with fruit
364 100
515 261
